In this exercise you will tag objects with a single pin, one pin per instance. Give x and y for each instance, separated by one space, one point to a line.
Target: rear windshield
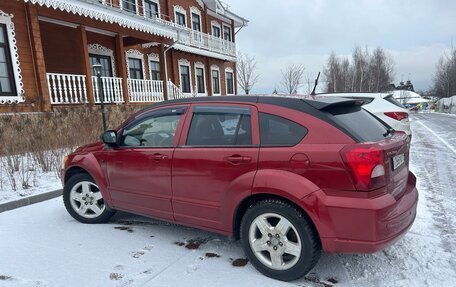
359 123
395 102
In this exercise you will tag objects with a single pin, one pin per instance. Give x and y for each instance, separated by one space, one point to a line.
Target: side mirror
110 138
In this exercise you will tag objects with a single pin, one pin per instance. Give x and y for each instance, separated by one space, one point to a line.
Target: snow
41 245
38 182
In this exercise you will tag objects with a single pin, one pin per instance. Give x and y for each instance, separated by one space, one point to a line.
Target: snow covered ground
28 175
41 245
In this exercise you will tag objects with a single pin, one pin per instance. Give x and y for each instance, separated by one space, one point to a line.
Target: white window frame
216 68
152 57
218 25
223 32
185 62
158 5
229 70
194 10
136 6
7 20
134 54
180 9
98 49
200 65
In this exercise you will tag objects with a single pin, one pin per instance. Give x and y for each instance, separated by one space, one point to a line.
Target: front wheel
84 201
279 241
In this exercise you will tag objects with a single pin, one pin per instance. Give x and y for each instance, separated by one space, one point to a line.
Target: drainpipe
166 64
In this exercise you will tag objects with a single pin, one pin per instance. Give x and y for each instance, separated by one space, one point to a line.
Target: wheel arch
74 170
88 164
247 202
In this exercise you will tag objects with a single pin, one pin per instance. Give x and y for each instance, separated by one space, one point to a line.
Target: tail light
398 116
366 165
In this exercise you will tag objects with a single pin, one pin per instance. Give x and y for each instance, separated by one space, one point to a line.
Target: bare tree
445 76
366 72
246 72
292 77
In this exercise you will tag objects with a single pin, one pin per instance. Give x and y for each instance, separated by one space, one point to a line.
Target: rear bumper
366 225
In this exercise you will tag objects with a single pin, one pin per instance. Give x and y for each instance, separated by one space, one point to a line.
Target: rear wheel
84 201
279 241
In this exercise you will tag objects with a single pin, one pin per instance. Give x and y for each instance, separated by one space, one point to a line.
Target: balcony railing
141 91
67 89
72 89
112 90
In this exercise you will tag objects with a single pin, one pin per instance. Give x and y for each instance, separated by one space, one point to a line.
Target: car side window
220 126
153 131
276 131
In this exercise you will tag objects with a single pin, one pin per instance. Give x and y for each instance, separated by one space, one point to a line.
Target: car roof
305 105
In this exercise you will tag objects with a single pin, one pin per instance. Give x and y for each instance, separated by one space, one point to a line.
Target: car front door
139 170
217 155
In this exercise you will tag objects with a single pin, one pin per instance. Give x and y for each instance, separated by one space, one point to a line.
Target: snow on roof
409 97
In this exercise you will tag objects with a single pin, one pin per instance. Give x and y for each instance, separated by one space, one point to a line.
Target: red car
289 177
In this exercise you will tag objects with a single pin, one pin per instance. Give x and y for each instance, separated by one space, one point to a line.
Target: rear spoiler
323 103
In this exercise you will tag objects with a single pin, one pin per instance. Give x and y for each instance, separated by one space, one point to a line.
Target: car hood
96 146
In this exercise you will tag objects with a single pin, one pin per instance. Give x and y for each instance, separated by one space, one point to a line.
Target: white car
382 105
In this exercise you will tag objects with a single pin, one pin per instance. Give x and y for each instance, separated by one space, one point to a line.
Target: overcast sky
283 32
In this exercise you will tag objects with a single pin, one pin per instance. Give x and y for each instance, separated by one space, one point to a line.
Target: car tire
279 240
83 200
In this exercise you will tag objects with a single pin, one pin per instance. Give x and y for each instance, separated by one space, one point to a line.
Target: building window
200 81
186 85
180 19
105 61
155 71
196 22
135 69
229 83
216 31
215 82
129 6
151 9
227 33
7 82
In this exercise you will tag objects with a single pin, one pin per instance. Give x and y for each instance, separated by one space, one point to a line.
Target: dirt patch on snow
240 262
115 276
212 255
4 277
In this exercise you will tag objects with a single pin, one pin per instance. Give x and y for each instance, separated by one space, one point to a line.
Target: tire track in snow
441 203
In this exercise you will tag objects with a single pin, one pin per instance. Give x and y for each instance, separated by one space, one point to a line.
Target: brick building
47 49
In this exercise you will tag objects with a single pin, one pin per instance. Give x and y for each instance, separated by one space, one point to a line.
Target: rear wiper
389 131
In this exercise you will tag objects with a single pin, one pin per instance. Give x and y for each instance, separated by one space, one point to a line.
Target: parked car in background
288 177
384 106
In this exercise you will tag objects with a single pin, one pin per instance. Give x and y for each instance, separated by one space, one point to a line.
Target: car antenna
315 86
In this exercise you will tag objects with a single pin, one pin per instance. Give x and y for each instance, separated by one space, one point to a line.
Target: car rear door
139 170
217 155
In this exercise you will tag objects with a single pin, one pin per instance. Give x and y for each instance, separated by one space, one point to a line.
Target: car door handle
158 157
237 159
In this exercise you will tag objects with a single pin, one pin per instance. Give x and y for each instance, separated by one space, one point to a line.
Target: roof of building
223 9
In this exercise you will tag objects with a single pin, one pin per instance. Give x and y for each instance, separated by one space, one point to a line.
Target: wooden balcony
187 37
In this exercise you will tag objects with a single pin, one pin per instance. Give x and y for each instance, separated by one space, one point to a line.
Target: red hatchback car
289 177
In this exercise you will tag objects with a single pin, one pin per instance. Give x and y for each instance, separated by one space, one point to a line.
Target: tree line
365 71
445 75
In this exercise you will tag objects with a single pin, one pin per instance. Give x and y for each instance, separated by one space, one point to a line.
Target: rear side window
395 102
360 123
279 132
212 126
